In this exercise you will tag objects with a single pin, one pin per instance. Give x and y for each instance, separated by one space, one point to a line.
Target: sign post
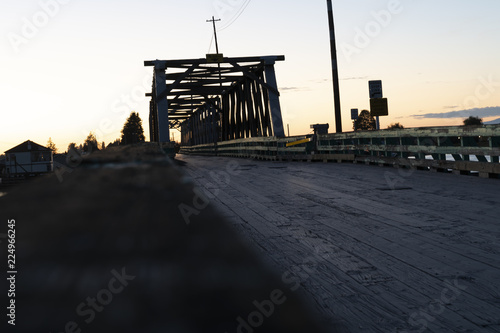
215 58
378 104
354 116
375 89
379 107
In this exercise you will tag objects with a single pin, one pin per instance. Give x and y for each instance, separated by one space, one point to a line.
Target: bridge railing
458 149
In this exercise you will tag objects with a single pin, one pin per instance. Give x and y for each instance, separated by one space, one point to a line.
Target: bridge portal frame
212 102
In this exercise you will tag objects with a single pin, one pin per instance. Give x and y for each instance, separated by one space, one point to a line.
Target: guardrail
460 150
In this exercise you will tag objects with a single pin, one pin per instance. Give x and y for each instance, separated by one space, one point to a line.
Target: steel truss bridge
215 100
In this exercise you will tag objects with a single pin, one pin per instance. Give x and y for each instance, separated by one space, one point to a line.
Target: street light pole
335 70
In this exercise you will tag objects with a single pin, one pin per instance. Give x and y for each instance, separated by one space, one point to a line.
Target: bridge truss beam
211 104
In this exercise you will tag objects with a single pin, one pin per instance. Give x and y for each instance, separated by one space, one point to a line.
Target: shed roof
26 147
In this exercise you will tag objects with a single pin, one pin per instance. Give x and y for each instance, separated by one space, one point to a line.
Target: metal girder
204 72
187 62
255 78
211 90
178 99
274 101
161 105
237 98
186 106
200 85
177 81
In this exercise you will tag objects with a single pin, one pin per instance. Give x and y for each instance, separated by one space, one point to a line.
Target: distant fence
458 149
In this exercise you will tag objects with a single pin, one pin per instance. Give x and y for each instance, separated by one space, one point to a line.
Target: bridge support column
162 103
274 100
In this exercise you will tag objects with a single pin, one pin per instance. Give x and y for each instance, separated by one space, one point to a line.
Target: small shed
28 159
2 165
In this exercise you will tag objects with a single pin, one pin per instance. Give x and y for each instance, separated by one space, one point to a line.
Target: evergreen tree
71 146
115 143
365 121
52 146
90 143
132 131
473 121
395 126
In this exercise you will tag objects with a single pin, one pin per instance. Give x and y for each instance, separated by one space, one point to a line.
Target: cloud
438 82
354 78
287 89
349 78
320 80
493 122
477 112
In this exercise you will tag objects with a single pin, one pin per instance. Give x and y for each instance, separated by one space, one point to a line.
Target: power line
224 27
237 16
211 42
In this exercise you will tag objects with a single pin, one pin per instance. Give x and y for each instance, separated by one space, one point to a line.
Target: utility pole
335 70
214 113
213 20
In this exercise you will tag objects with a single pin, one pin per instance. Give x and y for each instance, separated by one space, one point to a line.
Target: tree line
366 122
132 132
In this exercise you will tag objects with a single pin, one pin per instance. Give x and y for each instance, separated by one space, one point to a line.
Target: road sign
354 114
379 107
375 89
215 58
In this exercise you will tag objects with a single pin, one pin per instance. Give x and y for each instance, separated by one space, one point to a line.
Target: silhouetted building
2 165
27 159
321 129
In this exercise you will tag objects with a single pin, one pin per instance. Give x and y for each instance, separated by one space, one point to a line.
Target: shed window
35 156
40 156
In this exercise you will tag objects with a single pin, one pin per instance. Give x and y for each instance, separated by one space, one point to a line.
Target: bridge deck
380 249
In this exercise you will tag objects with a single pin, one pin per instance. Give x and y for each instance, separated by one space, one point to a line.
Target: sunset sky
68 67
